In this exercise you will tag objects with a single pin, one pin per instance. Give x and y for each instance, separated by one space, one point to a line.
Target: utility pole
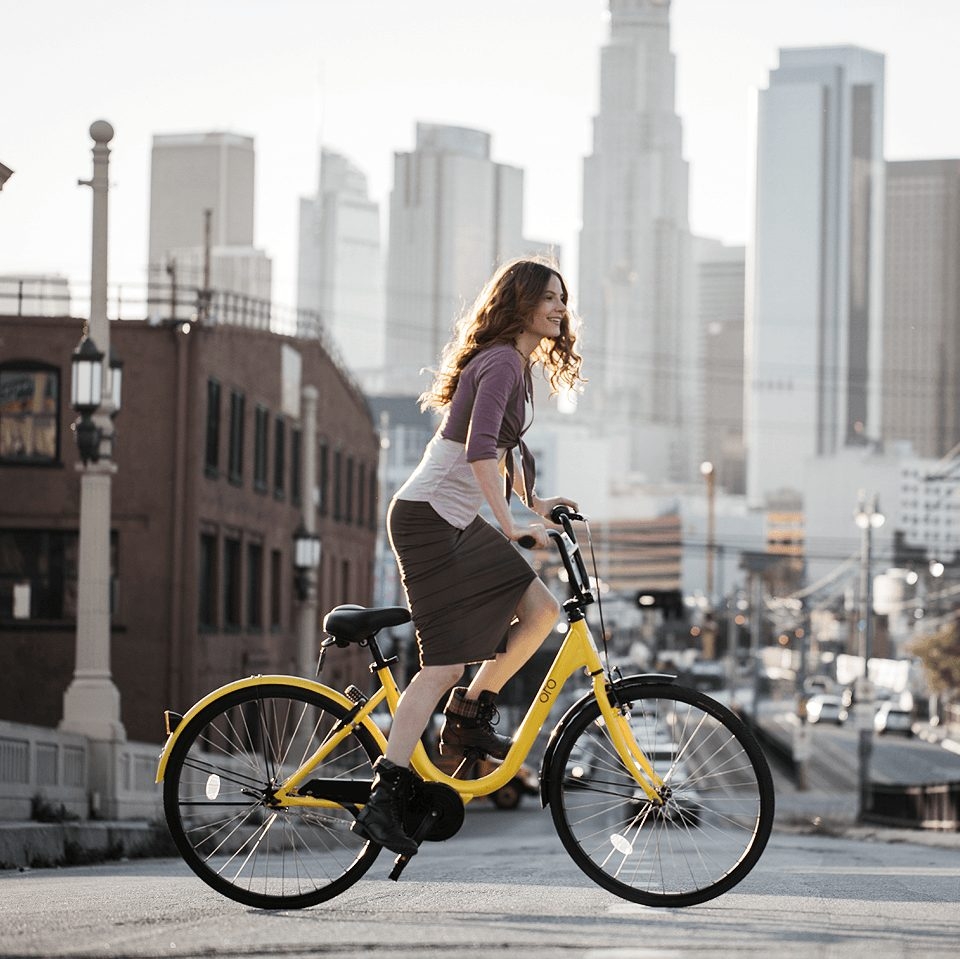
868 518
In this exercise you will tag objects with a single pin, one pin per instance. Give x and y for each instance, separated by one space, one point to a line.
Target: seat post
376 654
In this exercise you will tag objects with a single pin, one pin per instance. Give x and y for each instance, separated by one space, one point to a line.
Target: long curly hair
499 315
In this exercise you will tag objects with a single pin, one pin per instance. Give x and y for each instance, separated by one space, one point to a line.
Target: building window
232 587
29 414
38 575
212 455
279 458
295 490
207 582
337 485
276 588
361 493
236 437
254 585
372 498
261 424
349 488
323 480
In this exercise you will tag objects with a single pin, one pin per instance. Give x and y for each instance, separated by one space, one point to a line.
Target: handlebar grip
527 542
562 510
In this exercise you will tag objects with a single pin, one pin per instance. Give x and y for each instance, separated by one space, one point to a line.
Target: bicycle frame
578 651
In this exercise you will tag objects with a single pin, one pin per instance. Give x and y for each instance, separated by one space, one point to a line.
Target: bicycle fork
624 742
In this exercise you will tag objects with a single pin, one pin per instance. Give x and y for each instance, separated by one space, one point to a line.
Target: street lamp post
868 518
935 569
91 703
709 474
709 634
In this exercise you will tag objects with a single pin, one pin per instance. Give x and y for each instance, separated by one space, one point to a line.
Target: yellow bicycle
660 794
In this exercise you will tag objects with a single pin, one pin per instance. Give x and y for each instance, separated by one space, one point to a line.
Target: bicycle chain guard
439 798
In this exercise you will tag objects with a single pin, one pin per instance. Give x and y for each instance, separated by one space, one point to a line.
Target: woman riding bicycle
473 597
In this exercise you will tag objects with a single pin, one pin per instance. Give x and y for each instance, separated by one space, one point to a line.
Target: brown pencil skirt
462 585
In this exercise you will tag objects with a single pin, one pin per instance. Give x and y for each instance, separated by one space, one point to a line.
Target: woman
473 597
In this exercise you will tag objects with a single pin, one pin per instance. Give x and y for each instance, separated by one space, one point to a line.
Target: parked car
818 685
890 718
826 709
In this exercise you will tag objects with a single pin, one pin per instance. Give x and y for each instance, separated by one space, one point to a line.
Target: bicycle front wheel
218 789
713 817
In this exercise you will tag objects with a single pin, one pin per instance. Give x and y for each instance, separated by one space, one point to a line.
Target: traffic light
670 601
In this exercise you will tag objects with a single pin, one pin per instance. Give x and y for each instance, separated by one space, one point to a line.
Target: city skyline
358 77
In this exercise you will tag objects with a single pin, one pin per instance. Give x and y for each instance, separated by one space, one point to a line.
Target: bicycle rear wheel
718 802
218 788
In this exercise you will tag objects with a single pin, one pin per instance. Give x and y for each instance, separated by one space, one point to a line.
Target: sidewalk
946 736
40 845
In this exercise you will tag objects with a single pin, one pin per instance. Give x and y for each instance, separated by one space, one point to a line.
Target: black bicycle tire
171 803
632 692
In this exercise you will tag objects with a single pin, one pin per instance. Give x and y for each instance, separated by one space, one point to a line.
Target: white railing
45 773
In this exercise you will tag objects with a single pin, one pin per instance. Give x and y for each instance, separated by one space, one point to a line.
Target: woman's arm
488 477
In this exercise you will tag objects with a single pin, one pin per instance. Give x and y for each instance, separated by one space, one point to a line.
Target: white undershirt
446 481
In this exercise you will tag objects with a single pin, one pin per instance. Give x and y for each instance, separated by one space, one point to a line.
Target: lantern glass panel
87 385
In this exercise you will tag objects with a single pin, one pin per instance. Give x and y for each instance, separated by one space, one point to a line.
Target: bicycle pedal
419 834
399 864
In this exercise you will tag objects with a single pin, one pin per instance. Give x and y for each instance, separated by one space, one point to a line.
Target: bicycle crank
439 804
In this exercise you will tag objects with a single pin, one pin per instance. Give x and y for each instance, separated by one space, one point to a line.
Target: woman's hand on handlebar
529 536
545 506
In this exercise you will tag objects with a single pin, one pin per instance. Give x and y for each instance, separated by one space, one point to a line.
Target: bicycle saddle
354 623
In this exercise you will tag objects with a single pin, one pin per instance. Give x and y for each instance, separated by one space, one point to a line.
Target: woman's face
548 315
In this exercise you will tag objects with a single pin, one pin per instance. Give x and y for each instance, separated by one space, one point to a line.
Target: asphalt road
504 886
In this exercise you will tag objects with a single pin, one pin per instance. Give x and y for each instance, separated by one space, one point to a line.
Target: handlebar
558 513
569 550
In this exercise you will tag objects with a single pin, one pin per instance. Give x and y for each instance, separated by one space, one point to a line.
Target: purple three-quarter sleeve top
485 420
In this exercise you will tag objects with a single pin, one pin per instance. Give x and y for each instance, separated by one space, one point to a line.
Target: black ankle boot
469 725
381 819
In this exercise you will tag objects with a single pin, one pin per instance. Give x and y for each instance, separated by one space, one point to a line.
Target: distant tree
940 654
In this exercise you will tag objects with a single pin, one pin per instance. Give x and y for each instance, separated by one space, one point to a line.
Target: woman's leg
537 613
416 707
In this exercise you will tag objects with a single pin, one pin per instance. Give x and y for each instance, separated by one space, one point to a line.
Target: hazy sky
358 74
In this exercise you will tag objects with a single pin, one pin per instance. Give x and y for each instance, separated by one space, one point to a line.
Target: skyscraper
455 214
814 323
720 309
189 174
635 258
921 301
340 273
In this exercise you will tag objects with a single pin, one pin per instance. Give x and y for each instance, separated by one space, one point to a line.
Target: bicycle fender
232 687
583 703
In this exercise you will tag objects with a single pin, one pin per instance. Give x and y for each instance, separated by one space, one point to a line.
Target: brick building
207 495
